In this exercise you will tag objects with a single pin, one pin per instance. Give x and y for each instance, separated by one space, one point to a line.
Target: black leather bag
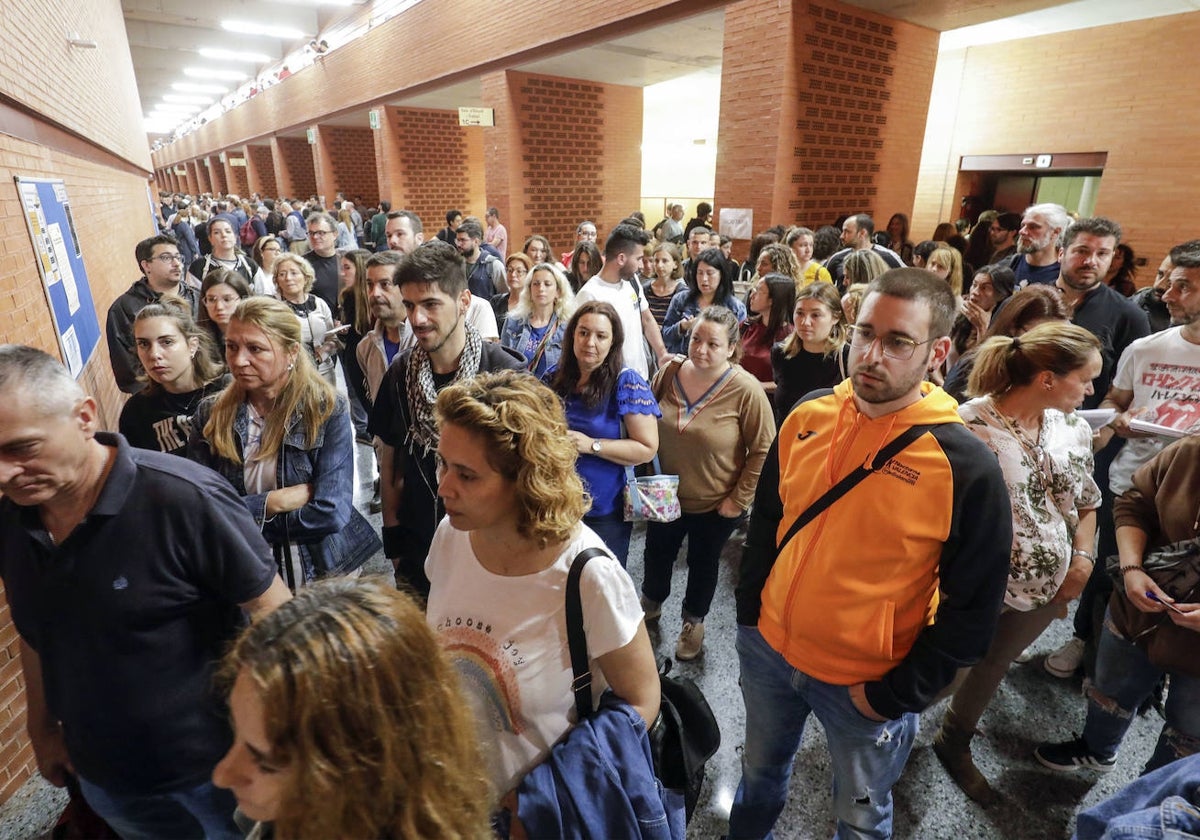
685 734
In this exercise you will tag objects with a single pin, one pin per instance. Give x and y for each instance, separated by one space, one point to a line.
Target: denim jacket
685 304
516 333
332 536
1162 805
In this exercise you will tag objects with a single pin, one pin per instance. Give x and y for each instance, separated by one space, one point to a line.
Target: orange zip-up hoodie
898 583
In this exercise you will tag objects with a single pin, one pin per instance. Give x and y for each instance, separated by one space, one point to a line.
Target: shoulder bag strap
541 348
581 684
846 484
670 372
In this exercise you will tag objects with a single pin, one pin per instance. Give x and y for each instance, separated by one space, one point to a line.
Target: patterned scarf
418 386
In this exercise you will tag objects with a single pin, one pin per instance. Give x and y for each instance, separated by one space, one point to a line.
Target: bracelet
1127 569
1086 554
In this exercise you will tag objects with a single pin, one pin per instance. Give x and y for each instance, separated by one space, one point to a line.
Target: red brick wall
351 156
435 154
295 173
260 170
216 175
235 176
1114 89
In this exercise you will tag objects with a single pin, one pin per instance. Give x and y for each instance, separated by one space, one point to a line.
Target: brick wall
1113 89
216 175
436 158
350 153
295 173
260 170
235 176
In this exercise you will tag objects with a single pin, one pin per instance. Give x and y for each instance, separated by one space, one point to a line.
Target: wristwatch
595 447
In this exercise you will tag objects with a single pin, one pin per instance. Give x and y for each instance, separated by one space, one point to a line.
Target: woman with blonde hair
281 435
294 278
862 267
1026 391
947 263
177 362
814 355
801 241
393 757
535 328
498 569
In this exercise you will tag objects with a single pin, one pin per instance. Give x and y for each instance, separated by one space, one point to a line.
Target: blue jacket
686 305
1162 805
600 783
516 333
332 536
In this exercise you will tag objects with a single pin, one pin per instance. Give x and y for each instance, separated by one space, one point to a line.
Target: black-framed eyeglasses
167 259
899 347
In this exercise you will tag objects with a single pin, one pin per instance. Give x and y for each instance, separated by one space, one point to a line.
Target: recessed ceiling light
197 87
214 73
234 55
190 99
269 30
174 107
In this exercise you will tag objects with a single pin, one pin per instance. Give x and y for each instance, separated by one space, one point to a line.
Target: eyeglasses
897 347
167 259
267 248
213 301
312 232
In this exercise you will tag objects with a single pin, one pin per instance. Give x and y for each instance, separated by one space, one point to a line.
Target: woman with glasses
226 253
176 356
535 328
516 272
220 293
1026 392
294 278
265 251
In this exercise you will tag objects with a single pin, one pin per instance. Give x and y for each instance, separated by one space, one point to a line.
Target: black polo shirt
131 613
1117 322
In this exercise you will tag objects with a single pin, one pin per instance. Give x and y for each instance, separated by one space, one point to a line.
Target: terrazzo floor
1031 706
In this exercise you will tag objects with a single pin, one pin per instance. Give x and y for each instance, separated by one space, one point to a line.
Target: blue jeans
1164 805
1124 678
867 756
706 534
205 811
615 532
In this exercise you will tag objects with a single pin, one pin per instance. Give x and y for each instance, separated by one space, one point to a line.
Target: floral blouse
1049 483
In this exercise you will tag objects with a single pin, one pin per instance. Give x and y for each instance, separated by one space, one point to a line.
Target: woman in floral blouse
1026 391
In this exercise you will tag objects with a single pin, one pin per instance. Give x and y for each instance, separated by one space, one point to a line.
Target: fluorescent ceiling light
214 73
234 55
173 108
196 87
249 27
190 99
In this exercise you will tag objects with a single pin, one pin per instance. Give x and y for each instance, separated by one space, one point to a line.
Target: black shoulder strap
858 474
581 683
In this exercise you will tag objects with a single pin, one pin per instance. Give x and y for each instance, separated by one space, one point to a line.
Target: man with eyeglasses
1002 236
890 587
161 265
322 235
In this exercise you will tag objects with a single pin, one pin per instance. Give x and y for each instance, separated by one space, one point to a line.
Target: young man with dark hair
485 273
433 287
453 220
616 283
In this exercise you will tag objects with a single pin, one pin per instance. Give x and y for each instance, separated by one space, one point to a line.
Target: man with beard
1002 236
432 282
485 273
1036 260
864 633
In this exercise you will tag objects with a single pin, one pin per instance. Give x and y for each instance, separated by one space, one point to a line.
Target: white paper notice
64 267
70 344
736 222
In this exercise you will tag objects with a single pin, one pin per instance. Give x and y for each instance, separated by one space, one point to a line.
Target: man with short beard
1036 260
1002 236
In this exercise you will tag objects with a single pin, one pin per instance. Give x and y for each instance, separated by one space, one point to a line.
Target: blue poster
60 262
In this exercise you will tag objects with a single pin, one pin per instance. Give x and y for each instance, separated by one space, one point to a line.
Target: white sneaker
691 642
1065 661
1026 655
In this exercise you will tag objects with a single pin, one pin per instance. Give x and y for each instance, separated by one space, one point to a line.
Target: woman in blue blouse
612 415
709 280
535 327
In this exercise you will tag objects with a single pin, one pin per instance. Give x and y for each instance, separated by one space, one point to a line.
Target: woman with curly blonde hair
395 757
498 567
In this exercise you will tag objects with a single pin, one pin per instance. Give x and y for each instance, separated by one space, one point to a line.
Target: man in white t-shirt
616 284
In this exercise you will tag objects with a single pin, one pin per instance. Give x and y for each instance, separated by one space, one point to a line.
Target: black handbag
685 734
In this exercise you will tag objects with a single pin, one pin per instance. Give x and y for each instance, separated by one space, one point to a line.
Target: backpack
247 233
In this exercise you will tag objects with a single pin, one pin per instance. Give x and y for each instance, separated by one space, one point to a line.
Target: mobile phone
1154 597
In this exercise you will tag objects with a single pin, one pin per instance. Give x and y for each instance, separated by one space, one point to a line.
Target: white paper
1097 418
70 344
736 223
64 267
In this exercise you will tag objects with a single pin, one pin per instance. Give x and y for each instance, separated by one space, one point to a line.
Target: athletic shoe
1072 755
1065 661
691 642
652 609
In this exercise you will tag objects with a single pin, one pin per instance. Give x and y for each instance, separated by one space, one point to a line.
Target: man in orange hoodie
866 611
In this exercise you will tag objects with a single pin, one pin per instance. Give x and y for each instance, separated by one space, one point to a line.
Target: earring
291 365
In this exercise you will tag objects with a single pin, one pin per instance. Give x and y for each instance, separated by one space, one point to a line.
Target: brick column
260 170
216 174
323 167
389 167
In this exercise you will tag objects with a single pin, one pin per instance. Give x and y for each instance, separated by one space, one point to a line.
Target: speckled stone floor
1030 706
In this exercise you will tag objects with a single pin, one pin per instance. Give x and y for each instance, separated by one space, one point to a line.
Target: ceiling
165 37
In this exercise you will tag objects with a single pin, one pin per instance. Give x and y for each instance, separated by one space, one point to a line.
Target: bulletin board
56 245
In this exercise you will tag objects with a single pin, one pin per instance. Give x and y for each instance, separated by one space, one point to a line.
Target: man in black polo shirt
433 286
124 570
322 235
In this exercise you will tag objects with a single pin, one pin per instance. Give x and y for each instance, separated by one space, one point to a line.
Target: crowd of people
837 378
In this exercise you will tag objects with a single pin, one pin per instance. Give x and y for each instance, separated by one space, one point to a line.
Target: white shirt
482 317
629 301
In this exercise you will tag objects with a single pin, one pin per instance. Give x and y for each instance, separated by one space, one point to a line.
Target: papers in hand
1173 419
1097 418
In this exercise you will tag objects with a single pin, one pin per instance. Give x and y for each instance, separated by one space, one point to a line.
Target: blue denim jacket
1163 805
516 334
686 305
332 536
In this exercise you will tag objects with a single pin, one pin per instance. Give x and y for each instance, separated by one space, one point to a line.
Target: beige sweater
719 450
